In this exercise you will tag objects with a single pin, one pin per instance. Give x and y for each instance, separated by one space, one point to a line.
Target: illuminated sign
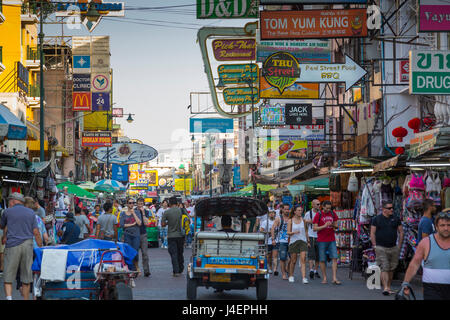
81 101
96 139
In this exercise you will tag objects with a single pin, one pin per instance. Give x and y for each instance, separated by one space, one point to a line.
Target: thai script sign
227 9
429 72
96 139
238 73
239 96
234 49
434 15
126 153
314 24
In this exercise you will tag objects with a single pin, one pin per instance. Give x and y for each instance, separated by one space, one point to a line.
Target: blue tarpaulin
10 126
85 254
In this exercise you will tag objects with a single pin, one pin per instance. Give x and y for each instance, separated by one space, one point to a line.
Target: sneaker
132 283
291 279
311 274
317 275
305 281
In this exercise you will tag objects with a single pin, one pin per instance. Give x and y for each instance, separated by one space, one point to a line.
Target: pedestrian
266 228
298 232
21 227
226 222
116 207
130 220
38 208
324 223
106 228
282 240
162 230
31 204
83 223
97 211
426 225
434 252
175 237
383 234
69 232
143 235
313 249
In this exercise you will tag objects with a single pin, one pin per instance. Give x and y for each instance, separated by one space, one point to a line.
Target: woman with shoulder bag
130 223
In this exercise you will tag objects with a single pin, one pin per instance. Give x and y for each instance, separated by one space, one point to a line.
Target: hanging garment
387 192
433 183
416 182
367 203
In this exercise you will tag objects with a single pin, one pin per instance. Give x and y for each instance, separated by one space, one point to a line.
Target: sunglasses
131 202
389 208
444 215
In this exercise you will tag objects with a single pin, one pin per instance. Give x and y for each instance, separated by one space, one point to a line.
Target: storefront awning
10 126
316 183
284 178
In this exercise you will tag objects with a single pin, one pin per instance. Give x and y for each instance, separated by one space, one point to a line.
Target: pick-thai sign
238 73
227 9
126 153
234 49
313 24
429 72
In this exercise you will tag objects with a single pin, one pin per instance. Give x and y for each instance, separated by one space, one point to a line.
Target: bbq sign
281 70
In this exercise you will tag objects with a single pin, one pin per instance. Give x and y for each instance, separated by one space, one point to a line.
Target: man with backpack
313 249
172 218
324 223
143 235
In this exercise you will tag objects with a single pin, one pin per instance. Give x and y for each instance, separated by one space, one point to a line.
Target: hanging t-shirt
327 234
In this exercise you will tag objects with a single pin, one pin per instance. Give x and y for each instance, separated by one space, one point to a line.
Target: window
1 6
1 48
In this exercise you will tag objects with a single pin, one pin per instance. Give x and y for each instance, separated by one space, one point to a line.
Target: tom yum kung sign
313 24
234 49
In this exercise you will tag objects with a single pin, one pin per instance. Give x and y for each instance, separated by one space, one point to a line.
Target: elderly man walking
21 227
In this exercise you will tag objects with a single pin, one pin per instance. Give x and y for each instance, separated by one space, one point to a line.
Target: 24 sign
227 9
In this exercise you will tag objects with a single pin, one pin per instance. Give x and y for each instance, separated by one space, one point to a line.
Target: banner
285 150
96 139
100 101
234 49
434 16
238 73
313 24
82 82
119 173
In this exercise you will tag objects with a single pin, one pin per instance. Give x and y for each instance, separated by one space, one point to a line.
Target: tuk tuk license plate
214 277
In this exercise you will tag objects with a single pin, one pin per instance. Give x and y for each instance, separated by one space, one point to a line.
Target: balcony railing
33 54
34 91
29 8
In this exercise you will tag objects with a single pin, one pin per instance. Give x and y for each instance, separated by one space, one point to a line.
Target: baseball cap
70 216
16 196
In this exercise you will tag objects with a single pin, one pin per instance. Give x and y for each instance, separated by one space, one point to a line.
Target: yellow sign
183 184
144 175
285 150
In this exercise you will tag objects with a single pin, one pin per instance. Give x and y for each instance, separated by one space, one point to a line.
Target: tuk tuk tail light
261 263
198 262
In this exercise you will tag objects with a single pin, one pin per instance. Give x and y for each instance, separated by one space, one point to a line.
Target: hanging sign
227 9
119 173
239 96
126 153
429 72
238 73
315 24
96 139
234 49
281 70
272 115
298 114
434 16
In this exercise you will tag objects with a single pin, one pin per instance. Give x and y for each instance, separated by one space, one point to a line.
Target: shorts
436 291
313 250
327 246
20 256
298 246
271 247
387 258
283 253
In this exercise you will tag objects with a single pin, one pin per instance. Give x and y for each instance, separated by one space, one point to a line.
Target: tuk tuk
228 260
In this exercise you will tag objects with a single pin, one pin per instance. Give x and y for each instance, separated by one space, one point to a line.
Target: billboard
227 9
234 49
428 74
434 16
143 178
81 101
96 139
211 125
296 91
284 149
313 24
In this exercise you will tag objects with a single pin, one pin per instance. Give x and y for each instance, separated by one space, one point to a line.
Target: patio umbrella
108 185
75 190
88 185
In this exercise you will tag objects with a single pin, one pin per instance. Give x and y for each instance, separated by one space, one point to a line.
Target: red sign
117 112
96 139
234 49
81 101
315 24
404 71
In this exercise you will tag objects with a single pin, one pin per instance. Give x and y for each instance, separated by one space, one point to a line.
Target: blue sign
287 200
81 62
211 125
100 101
120 172
237 176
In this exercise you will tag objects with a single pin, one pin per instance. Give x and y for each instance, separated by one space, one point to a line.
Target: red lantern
414 124
400 150
428 122
399 133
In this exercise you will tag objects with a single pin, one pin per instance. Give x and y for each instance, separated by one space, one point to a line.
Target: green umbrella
262 187
75 190
88 185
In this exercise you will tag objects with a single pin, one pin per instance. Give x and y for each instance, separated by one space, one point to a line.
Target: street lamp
130 118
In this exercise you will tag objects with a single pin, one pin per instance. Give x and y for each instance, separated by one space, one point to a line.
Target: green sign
429 72
238 96
227 9
238 73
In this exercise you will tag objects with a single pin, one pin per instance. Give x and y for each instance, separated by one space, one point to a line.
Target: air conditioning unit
36 159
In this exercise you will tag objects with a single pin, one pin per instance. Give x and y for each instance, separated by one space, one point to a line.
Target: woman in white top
266 227
298 243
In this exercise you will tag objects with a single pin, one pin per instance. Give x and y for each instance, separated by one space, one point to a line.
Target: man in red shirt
324 223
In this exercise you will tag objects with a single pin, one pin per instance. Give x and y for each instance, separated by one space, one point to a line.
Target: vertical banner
120 172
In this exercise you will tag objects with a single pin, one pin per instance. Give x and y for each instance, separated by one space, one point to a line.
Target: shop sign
81 64
281 70
96 139
119 173
126 153
211 125
239 96
227 9
238 73
81 101
100 101
404 71
117 112
434 16
22 77
234 49
313 24
429 72
183 185
100 63
296 91
284 150
82 82
298 114
309 50
100 82
422 142
272 115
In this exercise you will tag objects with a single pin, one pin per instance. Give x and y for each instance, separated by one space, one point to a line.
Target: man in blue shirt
69 232
426 226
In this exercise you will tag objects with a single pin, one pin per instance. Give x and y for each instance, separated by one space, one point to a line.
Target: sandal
386 293
337 283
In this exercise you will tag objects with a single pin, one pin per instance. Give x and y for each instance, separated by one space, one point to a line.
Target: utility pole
41 84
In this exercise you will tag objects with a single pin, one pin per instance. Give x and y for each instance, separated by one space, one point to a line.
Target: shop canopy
262 187
316 183
76 190
10 126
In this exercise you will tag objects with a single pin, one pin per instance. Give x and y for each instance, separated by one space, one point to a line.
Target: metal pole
253 129
41 84
210 169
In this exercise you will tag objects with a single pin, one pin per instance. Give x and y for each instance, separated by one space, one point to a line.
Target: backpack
185 223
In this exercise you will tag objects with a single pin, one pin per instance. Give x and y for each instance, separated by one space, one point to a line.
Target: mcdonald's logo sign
81 101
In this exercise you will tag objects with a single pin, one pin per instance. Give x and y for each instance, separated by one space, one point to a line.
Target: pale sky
155 67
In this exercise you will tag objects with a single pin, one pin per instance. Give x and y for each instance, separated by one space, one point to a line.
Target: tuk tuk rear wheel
261 289
122 292
191 289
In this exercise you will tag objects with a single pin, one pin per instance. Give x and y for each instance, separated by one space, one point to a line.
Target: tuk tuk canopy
230 206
